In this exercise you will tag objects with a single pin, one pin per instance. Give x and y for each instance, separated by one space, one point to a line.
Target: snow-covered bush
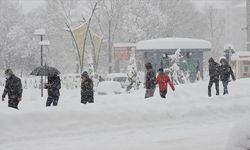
177 75
132 73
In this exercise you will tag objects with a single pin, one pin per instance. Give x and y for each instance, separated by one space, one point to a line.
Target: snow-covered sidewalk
187 119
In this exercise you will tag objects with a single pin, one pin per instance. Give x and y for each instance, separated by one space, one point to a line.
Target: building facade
156 51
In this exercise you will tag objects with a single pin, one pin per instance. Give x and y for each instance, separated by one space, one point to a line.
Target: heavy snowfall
124 75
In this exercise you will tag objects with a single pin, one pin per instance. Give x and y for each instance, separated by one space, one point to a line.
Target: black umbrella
45 71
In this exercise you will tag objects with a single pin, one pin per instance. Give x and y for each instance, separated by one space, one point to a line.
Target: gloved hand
2 98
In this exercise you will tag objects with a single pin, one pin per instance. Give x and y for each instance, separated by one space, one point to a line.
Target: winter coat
163 81
226 71
13 87
87 92
214 70
53 86
150 79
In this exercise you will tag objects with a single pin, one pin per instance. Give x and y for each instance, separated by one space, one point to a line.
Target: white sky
203 3
28 5
217 3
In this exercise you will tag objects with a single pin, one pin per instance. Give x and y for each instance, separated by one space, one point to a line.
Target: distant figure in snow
87 92
13 88
163 81
214 74
226 71
53 86
150 80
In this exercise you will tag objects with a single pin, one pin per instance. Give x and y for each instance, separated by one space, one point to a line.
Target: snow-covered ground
188 120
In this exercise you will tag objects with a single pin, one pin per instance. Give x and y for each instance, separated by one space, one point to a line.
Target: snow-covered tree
16 48
216 30
132 73
60 53
178 75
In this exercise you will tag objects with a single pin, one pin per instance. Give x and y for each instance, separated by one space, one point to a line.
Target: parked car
118 77
109 87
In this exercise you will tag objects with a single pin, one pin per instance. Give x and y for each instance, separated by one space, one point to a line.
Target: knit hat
223 60
148 65
8 72
160 69
85 74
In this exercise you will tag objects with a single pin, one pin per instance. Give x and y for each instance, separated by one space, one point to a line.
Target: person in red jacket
163 81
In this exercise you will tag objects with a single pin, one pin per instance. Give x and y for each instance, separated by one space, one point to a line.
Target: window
246 69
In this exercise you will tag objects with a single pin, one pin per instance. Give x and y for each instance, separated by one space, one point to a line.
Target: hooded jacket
214 69
163 81
13 87
226 71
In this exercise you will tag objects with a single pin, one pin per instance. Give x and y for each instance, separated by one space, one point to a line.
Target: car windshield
120 79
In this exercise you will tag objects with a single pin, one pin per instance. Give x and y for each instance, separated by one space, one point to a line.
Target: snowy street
187 119
124 75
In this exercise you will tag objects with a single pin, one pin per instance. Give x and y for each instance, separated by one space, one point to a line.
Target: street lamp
41 33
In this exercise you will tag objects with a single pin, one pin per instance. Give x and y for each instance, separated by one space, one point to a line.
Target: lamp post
41 33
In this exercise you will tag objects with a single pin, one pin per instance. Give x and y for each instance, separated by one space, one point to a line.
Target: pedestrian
87 92
13 88
226 71
214 74
53 86
163 81
150 80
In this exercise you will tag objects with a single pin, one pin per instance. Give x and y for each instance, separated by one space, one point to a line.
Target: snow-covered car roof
116 75
109 87
173 43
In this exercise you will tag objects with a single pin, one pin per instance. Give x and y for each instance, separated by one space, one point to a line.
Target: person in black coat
13 88
226 71
150 81
87 91
53 86
214 74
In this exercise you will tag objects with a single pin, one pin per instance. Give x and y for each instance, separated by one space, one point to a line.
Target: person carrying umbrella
13 88
54 83
53 86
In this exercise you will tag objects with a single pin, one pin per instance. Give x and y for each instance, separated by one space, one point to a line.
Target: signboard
121 53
